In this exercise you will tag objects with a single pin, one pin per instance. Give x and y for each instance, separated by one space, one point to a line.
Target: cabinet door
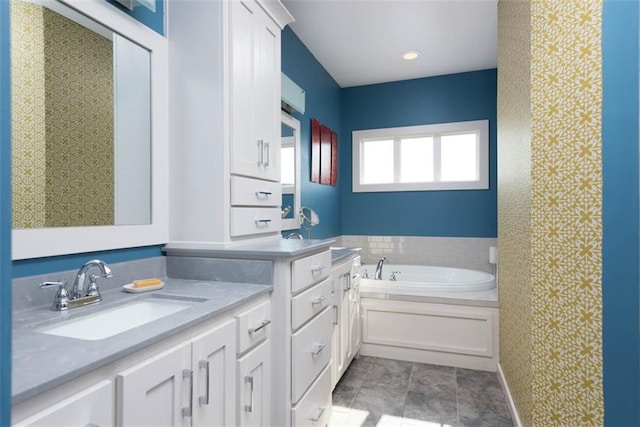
156 392
268 96
255 92
93 406
337 367
355 324
214 364
345 328
254 387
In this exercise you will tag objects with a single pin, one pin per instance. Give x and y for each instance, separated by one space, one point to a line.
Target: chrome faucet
378 274
294 236
79 296
78 290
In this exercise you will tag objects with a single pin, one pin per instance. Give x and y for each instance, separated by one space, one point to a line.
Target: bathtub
439 315
424 280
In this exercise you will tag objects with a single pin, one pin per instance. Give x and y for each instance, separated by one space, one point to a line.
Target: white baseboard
512 404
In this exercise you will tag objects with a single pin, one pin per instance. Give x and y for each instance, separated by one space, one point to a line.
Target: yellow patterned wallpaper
565 315
68 145
566 104
514 199
27 115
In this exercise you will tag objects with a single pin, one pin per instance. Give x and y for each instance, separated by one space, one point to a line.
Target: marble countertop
338 254
276 248
41 362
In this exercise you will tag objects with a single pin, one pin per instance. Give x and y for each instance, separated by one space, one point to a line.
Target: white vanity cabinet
194 378
224 98
347 330
303 322
192 383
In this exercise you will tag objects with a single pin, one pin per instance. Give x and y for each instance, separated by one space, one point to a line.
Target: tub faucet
378 275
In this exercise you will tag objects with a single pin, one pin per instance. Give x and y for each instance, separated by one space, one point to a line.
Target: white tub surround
450 318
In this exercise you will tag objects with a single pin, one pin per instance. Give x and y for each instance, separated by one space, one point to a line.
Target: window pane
288 163
416 159
377 159
458 157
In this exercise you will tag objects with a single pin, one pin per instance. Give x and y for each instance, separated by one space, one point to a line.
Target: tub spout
378 275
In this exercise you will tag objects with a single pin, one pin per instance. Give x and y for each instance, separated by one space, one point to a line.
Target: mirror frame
41 242
294 223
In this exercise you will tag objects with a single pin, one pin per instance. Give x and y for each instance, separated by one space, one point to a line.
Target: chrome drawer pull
261 152
321 410
257 328
266 194
92 425
318 300
318 350
188 373
266 146
318 269
204 364
335 312
249 407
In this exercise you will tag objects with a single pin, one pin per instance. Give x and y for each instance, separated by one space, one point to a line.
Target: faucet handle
393 275
61 299
92 288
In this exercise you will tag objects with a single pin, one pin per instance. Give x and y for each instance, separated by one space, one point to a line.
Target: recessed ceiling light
410 55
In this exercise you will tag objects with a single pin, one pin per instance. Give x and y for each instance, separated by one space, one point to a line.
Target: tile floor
391 393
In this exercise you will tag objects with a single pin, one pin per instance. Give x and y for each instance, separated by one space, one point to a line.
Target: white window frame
435 131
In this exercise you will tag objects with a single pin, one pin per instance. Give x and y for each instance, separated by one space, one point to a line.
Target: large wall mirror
290 176
89 135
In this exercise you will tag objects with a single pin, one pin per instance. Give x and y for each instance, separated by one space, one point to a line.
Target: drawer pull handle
318 269
317 351
249 379
92 425
318 300
257 328
263 221
266 194
261 152
188 373
268 150
204 364
321 410
335 312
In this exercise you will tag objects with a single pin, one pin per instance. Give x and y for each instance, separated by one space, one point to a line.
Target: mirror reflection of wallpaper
63 121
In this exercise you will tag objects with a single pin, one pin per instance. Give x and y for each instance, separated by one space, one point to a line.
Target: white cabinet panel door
156 392
214 364
254 387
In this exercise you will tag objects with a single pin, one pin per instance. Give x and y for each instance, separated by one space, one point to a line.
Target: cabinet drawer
309 303
254 325
255 192
310 352
255 221
314 409
309 270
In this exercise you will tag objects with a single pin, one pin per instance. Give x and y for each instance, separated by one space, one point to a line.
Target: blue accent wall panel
621 216
322 103
31 267
153 20
443 99
5 217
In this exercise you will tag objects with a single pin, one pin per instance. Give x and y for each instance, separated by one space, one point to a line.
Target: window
448 156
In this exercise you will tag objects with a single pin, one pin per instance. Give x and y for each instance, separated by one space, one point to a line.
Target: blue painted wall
322 103
153 20
621 276
450 98
5 217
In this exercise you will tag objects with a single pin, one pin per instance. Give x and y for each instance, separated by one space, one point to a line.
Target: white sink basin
107 323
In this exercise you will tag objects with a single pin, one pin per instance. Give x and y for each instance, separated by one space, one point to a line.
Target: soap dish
130 288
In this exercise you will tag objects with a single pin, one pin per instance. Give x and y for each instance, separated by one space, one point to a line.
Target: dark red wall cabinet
324 154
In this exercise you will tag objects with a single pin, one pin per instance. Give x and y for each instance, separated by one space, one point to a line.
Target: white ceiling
361 42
